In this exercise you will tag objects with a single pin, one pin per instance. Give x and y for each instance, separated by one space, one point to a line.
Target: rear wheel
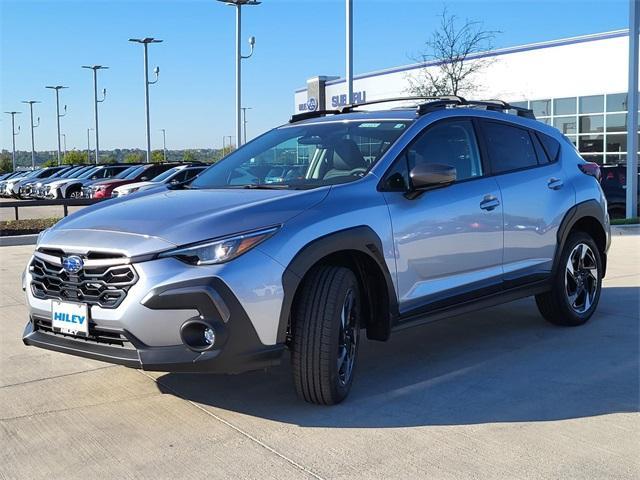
576 285
326 334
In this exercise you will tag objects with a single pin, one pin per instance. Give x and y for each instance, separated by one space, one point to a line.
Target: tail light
589 168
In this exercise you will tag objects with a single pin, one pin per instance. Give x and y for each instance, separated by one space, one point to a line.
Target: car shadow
504 364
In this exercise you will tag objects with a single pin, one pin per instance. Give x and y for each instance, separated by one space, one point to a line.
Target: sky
45 43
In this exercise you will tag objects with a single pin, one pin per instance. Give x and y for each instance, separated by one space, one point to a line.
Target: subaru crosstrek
401 217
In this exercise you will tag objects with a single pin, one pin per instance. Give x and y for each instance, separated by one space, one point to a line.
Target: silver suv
395 218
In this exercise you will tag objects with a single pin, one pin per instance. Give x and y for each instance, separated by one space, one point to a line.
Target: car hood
181 217
135 185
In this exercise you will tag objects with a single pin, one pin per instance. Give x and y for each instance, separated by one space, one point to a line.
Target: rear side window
510 148
551 146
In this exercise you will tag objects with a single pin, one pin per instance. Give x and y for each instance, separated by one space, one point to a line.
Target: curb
625 229
15 240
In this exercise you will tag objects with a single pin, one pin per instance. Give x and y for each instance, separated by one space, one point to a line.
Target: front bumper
241 300
236 349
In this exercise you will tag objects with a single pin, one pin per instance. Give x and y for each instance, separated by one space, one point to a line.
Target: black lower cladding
237 347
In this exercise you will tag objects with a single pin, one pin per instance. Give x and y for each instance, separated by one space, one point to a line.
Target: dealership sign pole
632 107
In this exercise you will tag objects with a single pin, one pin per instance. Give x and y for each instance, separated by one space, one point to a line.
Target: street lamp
64 138
13 137
252 41
57 88
164 144
244 123
156 71
95 69
33 144
89 146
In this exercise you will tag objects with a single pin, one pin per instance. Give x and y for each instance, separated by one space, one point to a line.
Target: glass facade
596 124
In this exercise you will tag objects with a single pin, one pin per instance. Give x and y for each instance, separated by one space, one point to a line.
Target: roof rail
350 107
432 104
307 115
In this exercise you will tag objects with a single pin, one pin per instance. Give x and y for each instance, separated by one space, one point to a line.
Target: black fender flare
362 239
588 208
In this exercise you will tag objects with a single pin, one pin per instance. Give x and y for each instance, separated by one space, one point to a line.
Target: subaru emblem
72 264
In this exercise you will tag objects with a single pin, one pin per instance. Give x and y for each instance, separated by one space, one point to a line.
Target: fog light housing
198 335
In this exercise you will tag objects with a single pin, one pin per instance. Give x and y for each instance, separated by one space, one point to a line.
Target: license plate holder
71 318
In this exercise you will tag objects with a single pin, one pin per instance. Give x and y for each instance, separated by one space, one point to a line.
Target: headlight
221 250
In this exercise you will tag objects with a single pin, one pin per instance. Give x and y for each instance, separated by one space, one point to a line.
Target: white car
179 174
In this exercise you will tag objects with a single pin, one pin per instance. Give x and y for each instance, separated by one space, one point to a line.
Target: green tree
157 156
189 156
6 165
74 157
134 157
50 163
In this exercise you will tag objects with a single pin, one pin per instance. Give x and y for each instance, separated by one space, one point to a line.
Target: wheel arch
588 217
360 249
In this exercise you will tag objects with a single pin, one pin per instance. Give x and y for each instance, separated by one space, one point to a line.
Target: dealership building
576 84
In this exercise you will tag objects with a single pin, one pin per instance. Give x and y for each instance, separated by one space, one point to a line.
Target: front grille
105 286
96 333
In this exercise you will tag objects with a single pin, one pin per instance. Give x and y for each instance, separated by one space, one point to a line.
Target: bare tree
453 48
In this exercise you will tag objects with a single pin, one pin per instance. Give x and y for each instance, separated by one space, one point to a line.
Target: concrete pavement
493 394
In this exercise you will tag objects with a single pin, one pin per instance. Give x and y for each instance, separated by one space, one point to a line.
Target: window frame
531 132
402 156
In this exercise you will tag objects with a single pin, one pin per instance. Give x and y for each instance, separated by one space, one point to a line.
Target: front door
448 241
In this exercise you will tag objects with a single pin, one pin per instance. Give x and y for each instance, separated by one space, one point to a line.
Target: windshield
165 175
89 172
129 173
304 156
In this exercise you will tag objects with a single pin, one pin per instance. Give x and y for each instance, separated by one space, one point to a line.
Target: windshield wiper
265 186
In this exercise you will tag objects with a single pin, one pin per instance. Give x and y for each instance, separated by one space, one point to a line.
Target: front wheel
75 194
326 334
577 283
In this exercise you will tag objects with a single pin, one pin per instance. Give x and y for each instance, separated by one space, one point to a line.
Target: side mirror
144 179
427 176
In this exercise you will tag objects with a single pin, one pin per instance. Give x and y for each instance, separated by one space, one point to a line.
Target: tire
574 296
329 294
75 193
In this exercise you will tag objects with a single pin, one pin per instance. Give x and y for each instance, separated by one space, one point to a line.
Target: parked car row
94 181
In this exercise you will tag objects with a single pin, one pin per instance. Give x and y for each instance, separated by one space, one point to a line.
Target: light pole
349 50
64 138
95 69
13 137
57 88
239 57
145 42
632 108
89 146
244 123
164 144
33 143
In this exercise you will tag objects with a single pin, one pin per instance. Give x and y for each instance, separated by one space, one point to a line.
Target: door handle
489 203
555 183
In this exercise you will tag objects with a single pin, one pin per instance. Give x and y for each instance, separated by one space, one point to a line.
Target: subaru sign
312 104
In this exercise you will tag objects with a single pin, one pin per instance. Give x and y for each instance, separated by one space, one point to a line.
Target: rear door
535 197
448 241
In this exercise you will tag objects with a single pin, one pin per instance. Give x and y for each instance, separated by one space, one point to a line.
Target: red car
140 173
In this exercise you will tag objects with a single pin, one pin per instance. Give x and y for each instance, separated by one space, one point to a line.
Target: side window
191 172
180 177
551 146
509 147
449 143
